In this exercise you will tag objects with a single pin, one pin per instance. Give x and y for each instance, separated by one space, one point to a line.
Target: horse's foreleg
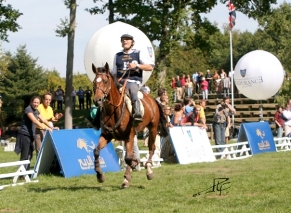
102 143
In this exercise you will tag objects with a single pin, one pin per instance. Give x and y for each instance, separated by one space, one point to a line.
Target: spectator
53 103
204 88
81 95
279 121
47 113
60 95
179 88
183 81
222 74
178 114
189 86
287 116
164 100
73 96
189 105
228 125
195 81
195 118
26 133
226 85
88 94
202 111
219 122
209 80
173 85
167 149
161 91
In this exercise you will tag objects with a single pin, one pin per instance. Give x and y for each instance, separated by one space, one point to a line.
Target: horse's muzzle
98 102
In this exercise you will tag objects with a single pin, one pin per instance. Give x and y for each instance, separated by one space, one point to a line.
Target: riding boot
137 116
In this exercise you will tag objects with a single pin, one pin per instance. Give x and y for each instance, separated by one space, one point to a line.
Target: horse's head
101 83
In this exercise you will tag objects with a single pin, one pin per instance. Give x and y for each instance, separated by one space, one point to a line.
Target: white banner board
191 144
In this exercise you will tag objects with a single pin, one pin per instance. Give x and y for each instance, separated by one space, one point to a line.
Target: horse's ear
93 68
106 67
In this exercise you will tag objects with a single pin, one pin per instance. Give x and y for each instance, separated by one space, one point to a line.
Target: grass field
260 183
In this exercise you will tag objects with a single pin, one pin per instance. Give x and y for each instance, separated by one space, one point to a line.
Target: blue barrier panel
74 152
259 136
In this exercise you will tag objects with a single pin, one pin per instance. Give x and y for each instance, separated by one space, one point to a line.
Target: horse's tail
162 129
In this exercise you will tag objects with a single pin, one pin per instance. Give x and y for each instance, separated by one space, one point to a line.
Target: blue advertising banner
74 151
259 136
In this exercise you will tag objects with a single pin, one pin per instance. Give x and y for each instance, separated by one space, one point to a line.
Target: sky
40 20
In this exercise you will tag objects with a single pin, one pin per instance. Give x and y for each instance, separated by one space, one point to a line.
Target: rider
135 62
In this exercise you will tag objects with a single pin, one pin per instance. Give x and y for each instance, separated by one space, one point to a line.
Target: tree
23 79
68 29
8 18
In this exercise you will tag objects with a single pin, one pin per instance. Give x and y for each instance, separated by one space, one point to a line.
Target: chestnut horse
116 122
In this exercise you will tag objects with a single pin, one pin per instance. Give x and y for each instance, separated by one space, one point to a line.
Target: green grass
260 183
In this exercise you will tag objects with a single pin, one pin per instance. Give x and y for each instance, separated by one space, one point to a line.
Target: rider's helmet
127 36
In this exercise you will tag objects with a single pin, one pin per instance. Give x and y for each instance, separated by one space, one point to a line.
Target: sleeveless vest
122 60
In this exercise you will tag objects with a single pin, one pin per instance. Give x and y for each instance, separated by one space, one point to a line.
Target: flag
232 14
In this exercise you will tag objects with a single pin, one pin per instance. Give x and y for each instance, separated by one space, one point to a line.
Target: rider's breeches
133 89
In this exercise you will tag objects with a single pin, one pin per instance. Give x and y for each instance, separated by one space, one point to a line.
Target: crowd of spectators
80 96
218 83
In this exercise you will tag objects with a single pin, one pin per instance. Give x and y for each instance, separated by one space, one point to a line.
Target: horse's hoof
150 176
100 178
124 185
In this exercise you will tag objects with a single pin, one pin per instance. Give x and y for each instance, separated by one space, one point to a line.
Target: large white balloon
258 75
105 43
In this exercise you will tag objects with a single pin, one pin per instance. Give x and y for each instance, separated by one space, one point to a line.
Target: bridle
98 80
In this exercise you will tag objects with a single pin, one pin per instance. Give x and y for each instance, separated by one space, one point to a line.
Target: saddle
128 101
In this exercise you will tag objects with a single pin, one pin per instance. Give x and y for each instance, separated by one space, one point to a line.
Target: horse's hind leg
151 144
102 143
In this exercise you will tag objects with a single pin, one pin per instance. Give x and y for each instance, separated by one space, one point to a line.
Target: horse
116 122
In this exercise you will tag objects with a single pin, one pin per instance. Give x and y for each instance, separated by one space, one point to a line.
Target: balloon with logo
259 75
105 43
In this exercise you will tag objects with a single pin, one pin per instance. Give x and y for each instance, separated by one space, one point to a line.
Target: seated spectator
178 114
189 105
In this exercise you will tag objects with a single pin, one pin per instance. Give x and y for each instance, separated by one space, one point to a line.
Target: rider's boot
137 116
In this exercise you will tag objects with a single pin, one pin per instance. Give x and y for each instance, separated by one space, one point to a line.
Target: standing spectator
88 94
209 80
189 86
60 95
287 117
223 110
183 81
222 74
173 85
145 89
53 103
73 96
161 91
81 94
164 100
26 133
47 113
226 85
167 149
204 88
179 88
195 81
279 121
